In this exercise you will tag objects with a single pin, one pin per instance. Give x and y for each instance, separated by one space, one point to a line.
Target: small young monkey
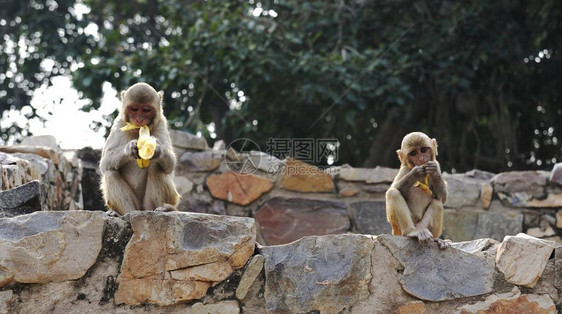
414 202
125 186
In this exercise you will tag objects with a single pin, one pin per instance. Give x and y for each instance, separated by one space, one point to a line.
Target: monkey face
142 105
419 155
140 114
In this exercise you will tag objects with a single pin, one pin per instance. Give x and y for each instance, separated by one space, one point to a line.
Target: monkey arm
440 189
439 186
115 154
405 178
167 160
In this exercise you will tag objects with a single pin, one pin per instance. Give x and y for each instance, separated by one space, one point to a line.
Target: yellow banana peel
146 144
424 186
129 126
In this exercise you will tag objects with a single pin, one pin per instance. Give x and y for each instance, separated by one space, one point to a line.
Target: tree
481 77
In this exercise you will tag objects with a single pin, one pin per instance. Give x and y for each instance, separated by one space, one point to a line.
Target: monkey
125 186
414 201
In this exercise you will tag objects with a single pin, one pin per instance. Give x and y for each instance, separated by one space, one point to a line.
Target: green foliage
364 72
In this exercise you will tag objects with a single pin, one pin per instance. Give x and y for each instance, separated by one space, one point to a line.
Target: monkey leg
433 218
160 192
398 213
117 194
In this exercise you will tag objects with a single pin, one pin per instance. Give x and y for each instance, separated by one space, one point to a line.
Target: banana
424 186
146 144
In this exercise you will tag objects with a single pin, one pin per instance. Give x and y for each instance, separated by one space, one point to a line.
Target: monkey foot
112 213
423 234
443 244
165 208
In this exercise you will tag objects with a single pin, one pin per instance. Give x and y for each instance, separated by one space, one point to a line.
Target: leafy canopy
480 76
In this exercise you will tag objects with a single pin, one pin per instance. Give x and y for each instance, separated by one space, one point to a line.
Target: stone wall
82 261
37 175
87 262
290 199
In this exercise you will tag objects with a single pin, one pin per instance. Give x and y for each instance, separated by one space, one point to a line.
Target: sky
60 104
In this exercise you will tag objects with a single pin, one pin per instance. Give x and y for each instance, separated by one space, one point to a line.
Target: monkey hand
423 234
432 168
157 150
111 213
418 170
132 150
443 244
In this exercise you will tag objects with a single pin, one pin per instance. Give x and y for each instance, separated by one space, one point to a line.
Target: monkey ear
434 142
123 94
161 95
401 156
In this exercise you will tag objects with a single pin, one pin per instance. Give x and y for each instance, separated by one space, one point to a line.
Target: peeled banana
424 186
146 144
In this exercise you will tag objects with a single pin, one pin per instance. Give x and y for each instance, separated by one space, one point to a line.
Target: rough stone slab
556 174
251 272
199 161
376 188
432 274
302 177
219 145
325 274
20 167
517 199
559 219
545 285
532 183
283 220
49 246
90 178
558 267
266 162
370 217
386 292
40 164
5 297
233 155
512 302
183 185
43 151
186 140
462 191
203 206
12 177
348 192
475 246
369 175
224 307
465 225
41 140
522 258
238 188
552 200
175 257
25 199
498 225
414 307
480 174
486 193
539 232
